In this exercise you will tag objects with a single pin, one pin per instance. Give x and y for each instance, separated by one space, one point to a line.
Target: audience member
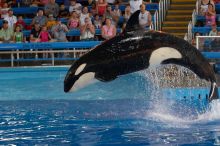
213 31
97 22
51 22
20 23
63 13
111 2
35 3
44 35
144 17
110 14
35 33
216 1
74 6
135 5
73 21
210 16
4 10
127 13
108 30
18 36
117 11
12 19
52 8
44 2
6 33
25 3
203 8
91 2
93 9
59 31
194 39
83 15
101 7
87 30
40 18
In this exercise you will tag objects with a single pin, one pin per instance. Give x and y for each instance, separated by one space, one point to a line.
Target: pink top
108 31
44 36
73 23
210 20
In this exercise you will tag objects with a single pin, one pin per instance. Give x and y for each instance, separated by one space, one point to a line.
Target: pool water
128 111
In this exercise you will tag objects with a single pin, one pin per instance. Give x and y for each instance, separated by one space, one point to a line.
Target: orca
133 50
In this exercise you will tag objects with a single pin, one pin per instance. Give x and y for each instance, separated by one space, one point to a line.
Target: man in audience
11 18
52 8
87 30
6 33
40 18
59 31
144 17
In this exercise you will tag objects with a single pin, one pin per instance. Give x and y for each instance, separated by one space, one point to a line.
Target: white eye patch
80 68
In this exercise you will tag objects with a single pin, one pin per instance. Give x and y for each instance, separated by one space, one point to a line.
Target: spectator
194 39
135 5
52 8
25 3
127 13
87 30
144 17
210 16
108 30
97 22
4 10
101 7
35 33
83 15
216 1
117 11
11 19
40 18
51 22
110 14
6 33
59 31
73 22
18 36
93 9
111 2
203 8
44 35
74 6
63 13
35 3
20 23
214 31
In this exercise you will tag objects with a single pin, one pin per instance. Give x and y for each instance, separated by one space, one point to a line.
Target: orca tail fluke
213 92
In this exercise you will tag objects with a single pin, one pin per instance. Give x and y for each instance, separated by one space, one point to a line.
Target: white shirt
11 20
76 8
135 5
82 18
110 1
143 18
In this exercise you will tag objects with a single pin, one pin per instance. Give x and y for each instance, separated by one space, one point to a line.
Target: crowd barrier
56 47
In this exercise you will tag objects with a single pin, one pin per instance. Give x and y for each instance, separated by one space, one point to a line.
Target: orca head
78 77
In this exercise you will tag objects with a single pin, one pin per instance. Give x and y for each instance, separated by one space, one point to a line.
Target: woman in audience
87 30
101 7
83 15
4 10
73 22
210 16
127 13
108 30
194 38
74 6
93 9
18 36
203 8
117 11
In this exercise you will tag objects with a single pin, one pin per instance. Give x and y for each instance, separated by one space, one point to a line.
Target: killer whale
133 50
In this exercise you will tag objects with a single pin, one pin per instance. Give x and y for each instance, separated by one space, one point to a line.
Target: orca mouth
68 83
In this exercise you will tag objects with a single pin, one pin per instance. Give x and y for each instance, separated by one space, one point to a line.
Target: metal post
197 42
52 54
12 59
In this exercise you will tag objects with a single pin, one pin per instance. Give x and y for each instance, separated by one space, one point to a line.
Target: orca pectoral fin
213 92
105 77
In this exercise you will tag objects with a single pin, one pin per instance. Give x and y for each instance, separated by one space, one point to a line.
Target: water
128 111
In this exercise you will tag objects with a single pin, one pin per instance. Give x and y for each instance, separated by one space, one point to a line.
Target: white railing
198 2
161 13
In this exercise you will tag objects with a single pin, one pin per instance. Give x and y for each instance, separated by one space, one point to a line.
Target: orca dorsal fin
133 22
